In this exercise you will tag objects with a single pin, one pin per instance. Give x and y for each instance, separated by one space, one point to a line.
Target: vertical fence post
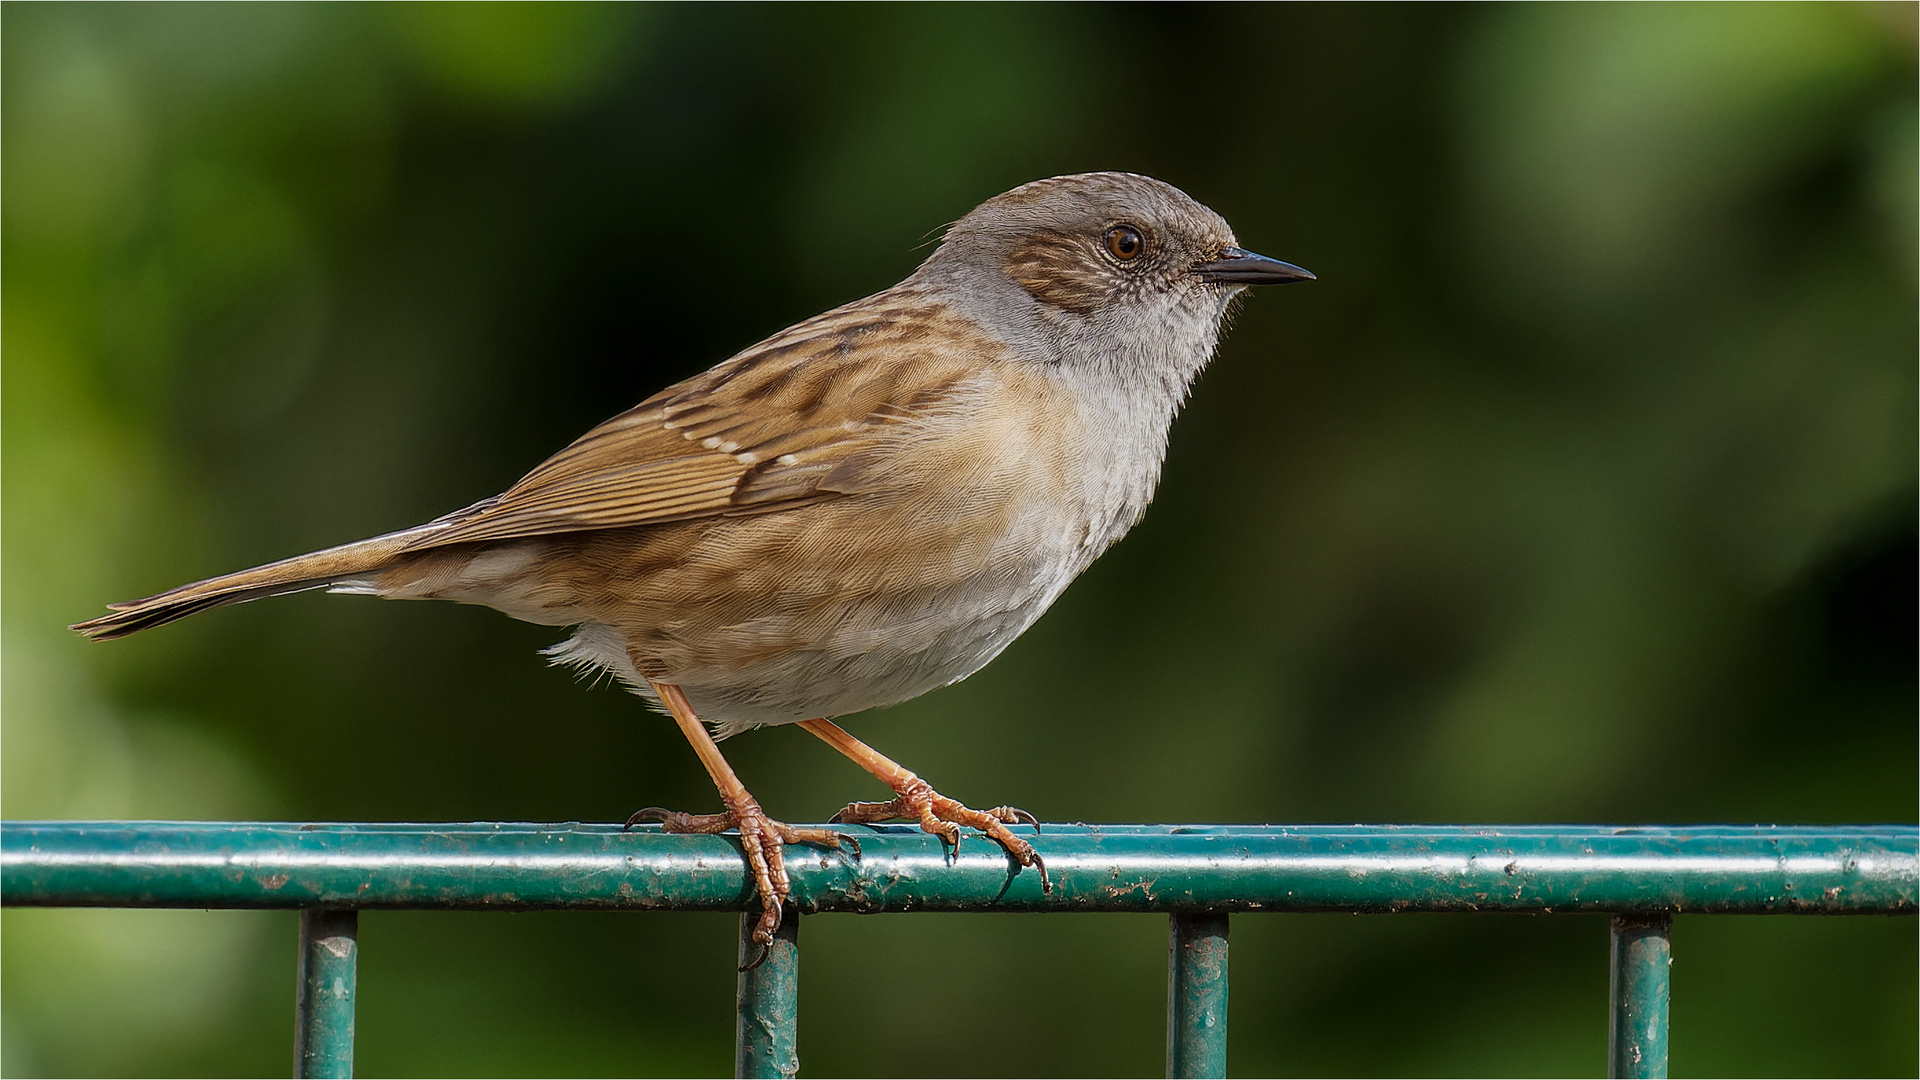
323 1005
1197 996
766 1030
1640 954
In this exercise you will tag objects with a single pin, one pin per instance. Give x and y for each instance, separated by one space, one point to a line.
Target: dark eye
1125 243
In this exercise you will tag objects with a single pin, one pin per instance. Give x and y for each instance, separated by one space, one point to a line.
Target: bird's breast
963 529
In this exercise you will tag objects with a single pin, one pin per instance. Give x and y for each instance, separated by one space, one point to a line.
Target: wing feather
794 420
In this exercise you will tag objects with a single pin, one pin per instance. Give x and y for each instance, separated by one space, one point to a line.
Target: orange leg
761 837
916 799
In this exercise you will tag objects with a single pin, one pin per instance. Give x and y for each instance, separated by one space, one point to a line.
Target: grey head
1107 270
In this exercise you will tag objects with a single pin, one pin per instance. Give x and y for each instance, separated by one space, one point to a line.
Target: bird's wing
793 420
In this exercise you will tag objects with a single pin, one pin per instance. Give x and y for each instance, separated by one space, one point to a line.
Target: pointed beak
1235 266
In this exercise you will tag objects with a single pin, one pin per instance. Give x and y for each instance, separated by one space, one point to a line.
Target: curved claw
765 951
1040 864
647 813
849 840
763 932
1022 817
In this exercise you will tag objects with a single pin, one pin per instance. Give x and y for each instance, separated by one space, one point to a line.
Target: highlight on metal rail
1199 875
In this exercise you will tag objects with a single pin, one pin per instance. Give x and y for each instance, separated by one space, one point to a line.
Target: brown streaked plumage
864 507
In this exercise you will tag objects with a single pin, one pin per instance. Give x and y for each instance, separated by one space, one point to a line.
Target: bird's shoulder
795 419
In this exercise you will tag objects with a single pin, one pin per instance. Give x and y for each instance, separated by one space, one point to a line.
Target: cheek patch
1063 271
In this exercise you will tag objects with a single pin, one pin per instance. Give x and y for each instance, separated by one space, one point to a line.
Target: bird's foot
762 840
944 817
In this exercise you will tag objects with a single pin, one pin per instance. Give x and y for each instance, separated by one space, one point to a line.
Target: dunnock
864 507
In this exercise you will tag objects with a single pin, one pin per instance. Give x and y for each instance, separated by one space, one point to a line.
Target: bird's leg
914 798
761 837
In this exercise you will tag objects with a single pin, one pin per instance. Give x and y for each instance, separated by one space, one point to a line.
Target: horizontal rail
505 866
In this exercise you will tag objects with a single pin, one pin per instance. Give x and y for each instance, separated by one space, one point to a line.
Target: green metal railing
1196 874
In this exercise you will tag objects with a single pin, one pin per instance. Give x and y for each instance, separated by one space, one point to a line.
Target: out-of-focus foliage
1581 486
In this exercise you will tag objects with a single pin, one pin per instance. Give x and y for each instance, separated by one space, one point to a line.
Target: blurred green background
1580 487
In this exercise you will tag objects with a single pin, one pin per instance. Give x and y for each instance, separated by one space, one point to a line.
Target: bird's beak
1237 266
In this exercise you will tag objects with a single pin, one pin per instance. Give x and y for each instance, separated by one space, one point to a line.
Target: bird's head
1105 256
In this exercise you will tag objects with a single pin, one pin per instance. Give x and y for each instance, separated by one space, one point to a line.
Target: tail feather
348 564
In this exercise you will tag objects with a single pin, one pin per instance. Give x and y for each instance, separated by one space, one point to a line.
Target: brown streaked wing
785 423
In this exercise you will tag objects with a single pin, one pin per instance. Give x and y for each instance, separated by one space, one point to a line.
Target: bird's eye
1125 243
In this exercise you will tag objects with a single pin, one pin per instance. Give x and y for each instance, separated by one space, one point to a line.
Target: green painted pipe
766 1028
324 992
1757 870
1639 958
1197 995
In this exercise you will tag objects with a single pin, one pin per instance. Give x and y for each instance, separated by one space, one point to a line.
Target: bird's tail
347 568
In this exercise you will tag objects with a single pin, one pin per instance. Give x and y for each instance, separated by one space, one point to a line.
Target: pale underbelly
776 649
879 663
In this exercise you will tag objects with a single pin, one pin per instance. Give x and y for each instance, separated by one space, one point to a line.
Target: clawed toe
832 838
674 821
1013 815
916 799
866 813
649 813
945 818
762 842
766 949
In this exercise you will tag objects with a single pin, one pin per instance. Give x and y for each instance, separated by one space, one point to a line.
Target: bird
868 505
